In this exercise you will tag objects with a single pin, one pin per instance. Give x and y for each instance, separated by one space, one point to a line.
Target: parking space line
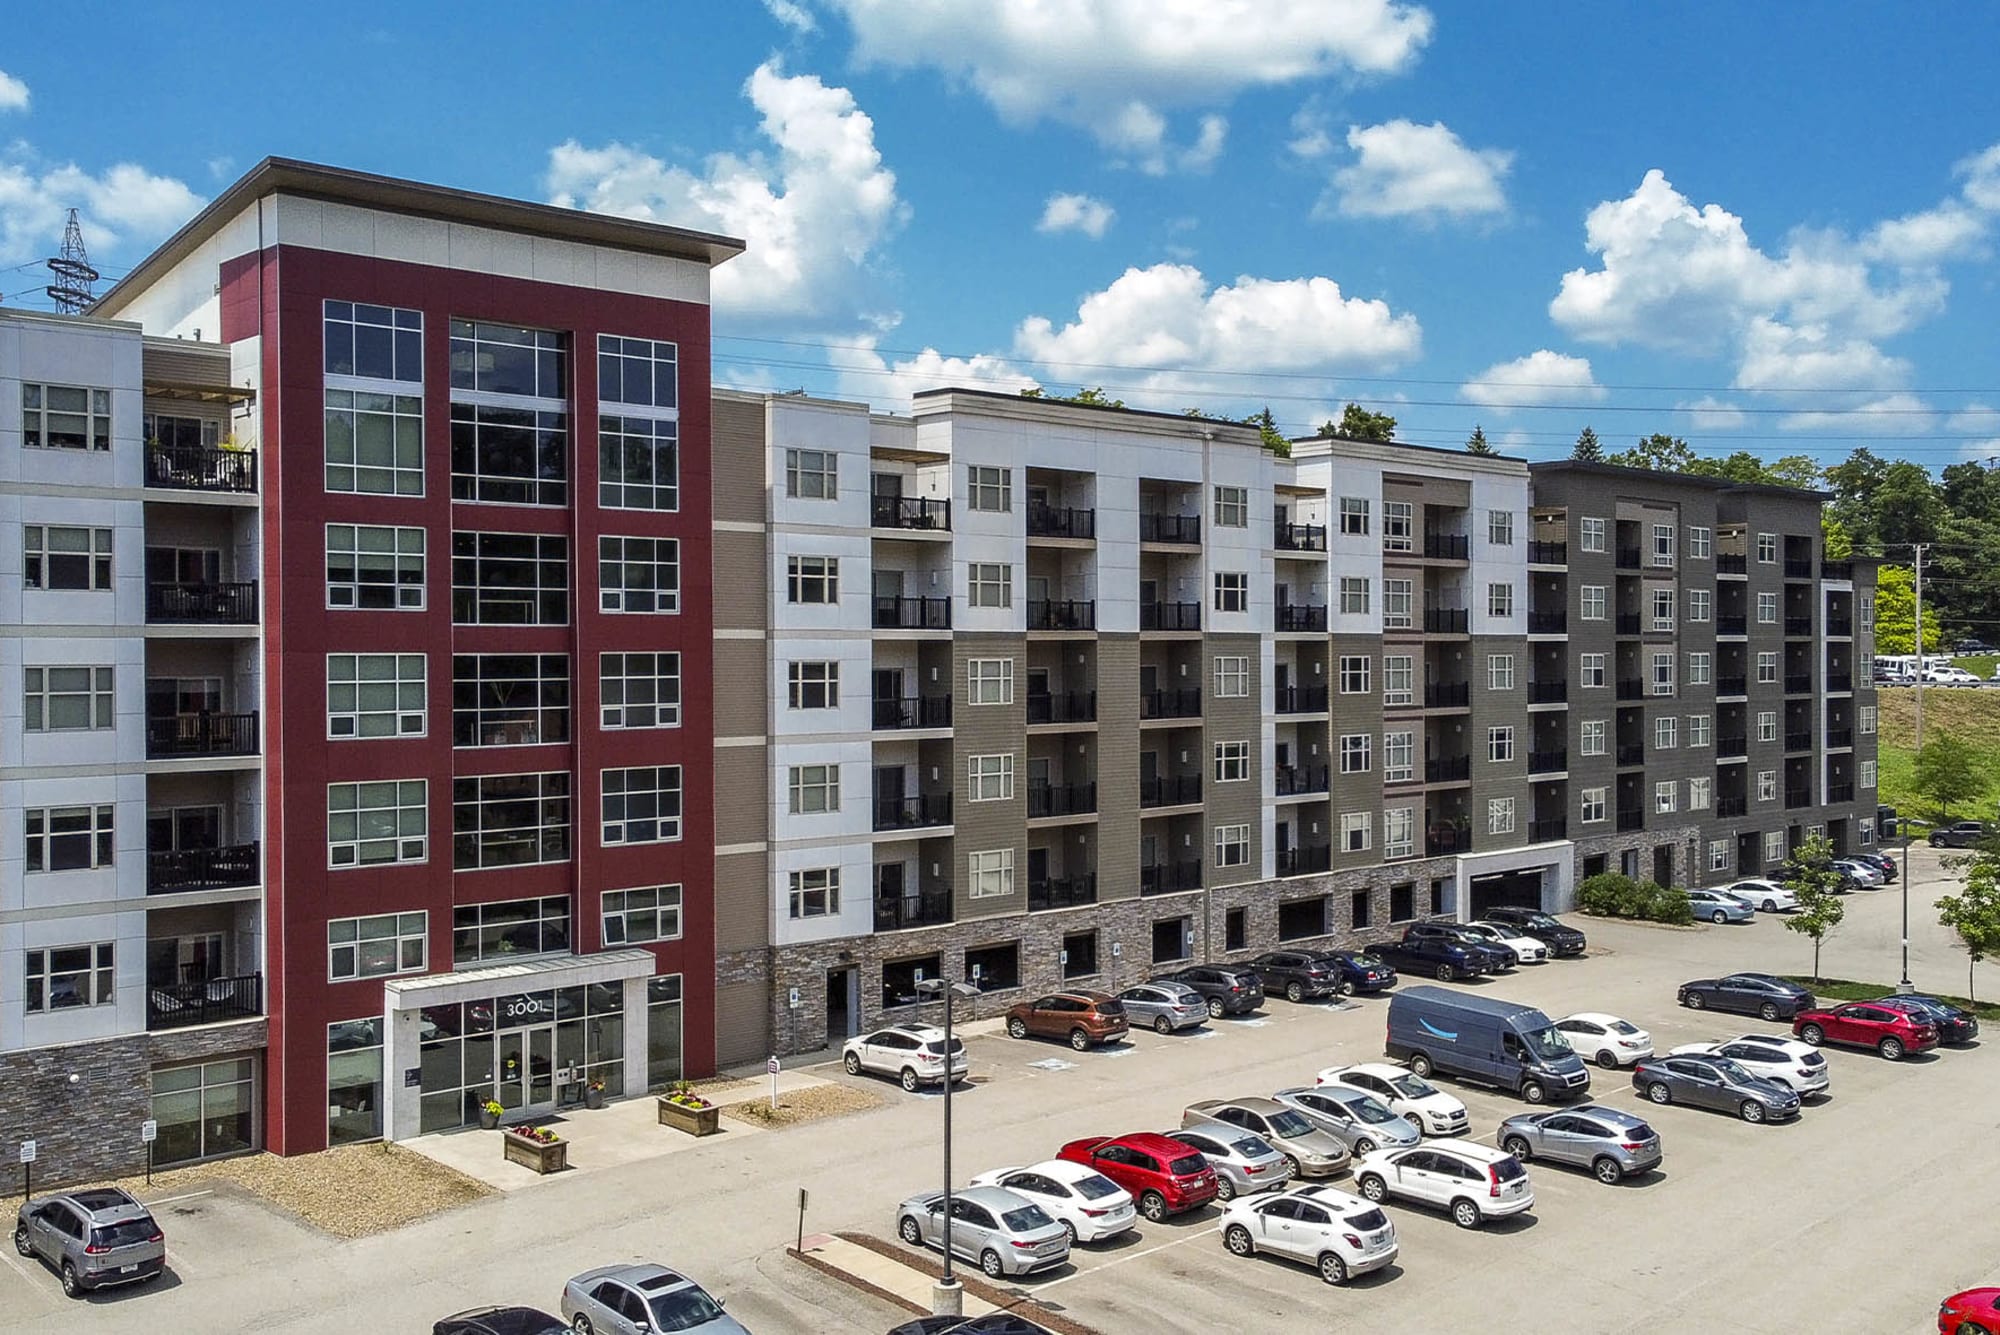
184 1196
1120 1260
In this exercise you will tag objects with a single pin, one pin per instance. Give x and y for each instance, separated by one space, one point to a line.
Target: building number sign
526 1006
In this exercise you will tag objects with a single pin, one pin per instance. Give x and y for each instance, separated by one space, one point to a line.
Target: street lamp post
1904 984
947 1296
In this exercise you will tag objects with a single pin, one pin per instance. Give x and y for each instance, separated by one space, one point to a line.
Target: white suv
1799 1067
1337 1234
1528 948
914 1054
1474 1182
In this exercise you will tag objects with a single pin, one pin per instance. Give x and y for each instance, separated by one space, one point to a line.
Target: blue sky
1760 227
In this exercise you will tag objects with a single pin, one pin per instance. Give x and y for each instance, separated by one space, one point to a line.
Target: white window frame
812 683
1663 545
1663 672
1700 542
1701 605
1399 837
1767 549
394 419
1232 762
1591 666
354 698
812 475
1500 528
1700 730
1399 756
1590 531
100 977
94 823
989 681
1232 591
1232 507
1700 668
1864 722
618 822
1232 677
619 558
626 913
1591 602
406 934
1865 827
1767 725
1774 847
814 893
1499 815
1767 609
1356 831
1500 601
1767 785
488 806
1232 846
1354 516
1500 744
1354 595
1666 732
1499 672
812 581
1591 733
990 778
1663 609
405 802
42 689
1399 526
1399 679
989 489
989 584
1398 604
1865 774
1718 855
1700 790
1356 674
1767 667
39 553
94 415
1592 807
1357 752
989 873
1666 796
813 790
632 709
405 552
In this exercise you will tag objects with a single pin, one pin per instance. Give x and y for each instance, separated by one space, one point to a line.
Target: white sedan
1605 1039
1799 1067
1338 1234
1085 1202
1435 1112
1527 948
1759 893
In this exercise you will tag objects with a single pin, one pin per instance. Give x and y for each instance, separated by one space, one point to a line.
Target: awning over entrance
609 966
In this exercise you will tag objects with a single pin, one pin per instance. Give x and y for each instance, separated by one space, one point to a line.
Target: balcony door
890 788
183 697
183 565
887 488
175 960
184 829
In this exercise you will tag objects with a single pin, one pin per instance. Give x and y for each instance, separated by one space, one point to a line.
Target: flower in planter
492 1108
540 1135
595 1086
685 1097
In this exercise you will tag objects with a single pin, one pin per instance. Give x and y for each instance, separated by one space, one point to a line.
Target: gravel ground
804 1105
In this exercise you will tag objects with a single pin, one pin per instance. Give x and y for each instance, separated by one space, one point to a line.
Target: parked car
1228 991
1527 949
1561 939
1089 1205
914 1054
1337 1234
1881 862
1360 971
1499 958
1960 834
1613 1145
1485 1039
1757 994
1949 676
1867 1024
501 1321
1971 647
92 1239
1714 1082
1165 1006
1310 1151
1864 874
1784 1061
1718 907
1760 893
1006 1233
1085 1019
1296 975
1407 1094
1954 1026
1472 1181
1433 957
1357 1119
1166 1177
1244 1164
1971 1312
629 1299
1605 1039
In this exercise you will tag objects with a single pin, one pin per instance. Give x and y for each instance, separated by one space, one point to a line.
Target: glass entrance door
524 1067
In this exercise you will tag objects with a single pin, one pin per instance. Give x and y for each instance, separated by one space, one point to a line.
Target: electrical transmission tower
71 291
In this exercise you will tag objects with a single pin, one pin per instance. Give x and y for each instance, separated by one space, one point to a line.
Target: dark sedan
1759 994
1714 1082
1560 939
1360 971
1498 957
1226 991
1433 957
501 1321
1954 1026
992 1323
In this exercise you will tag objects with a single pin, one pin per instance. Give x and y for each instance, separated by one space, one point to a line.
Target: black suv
1228 991
1296 975
1559 939
1440 957
1962 834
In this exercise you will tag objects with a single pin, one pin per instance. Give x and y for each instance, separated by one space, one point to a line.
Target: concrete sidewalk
883 1274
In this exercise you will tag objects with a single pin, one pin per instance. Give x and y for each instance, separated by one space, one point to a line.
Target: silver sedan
1005 1232
1243 1163
1354 1117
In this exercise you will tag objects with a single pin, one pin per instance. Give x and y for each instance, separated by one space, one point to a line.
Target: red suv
1973 1312
1866 1025
1163 1175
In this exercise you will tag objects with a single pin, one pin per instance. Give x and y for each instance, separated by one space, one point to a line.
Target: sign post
27 1170
149 1131
772 1067
802 1220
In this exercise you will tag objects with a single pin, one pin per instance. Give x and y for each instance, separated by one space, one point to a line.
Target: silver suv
93 1239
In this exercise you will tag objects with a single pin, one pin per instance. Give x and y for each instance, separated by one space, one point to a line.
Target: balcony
1729 747
1548 623
1631 755
1840 627
1165 878
1170 616
1839 739
1447 546
176 870
1300 537
1798 741
1548 762
1299 699
1062 892
201 468
1443 839
1062 707
1631 820
1836 682
1798 568
1798 797
1293 781
1732 685
202 604
1732 625
1298 619
1628 558
928 908
1548 553
1060 521
1061 799
912 512
1446 621
182 736
1170 704
1798 625
1728 564
912 613
1171 791
1447 695
1627 623
181 1005
1548 692
1305 861
1184 529
912 813
1631 688
1836 570
1839 792
916 711
1062 615
1798 683
1450 769
1731 806
1546 831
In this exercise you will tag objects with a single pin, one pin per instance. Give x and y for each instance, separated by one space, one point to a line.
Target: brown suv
1084 1018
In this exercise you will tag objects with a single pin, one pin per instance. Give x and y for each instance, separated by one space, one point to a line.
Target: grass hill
1972 716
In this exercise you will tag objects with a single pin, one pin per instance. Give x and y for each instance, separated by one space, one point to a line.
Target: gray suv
1613 1145
93 1239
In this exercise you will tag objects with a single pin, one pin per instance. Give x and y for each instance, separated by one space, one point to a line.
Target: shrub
1613 895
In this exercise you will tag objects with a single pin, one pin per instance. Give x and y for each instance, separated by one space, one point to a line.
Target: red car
1163 1175
1866 1025
1974 1312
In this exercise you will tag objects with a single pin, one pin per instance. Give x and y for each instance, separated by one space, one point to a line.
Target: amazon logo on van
1430 1028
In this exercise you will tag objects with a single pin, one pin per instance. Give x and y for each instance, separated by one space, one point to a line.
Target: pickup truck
1433 955
1960 834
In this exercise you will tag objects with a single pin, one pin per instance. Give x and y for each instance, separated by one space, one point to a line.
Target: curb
1022 1304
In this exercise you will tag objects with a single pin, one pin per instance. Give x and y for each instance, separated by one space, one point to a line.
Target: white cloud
1974 417
1541 377
792 14
1114 68
123 203
1076 213
13 93
1979 451
1805 358
1712 414
814 215
1402 169
1982 178
1311 135
866 375
1949 231
1890 415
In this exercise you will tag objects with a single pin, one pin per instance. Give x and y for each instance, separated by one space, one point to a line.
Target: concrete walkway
874 1270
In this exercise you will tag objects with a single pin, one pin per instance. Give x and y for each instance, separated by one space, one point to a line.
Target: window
639 690
1767 549
1499 672
1356 752
1663 544
1173 939
373 342
1774 846
1590 737
638 461
1500 528
815 893
990 778
1398 757
642 805
989 584
1232 762
373 568
1353 594
69 838
69 699
1666 796
1590 668
374 443
1767 609
509 820
372 824
374 947
1354 670
66 977
1232 845
1499 815
1667 732
1590 534
1232 677
375 695
353 1080
1866 828
1232 592
1398 607
1079 951
71 559
1701 603
811 475
814 685
1866 720
1499 600
1701 542
1592 597
509 699
1767 726
1698 669
1355 831
1398 526
989 488
638 574
1767 785
509 928
634 917
1358 909
1399 826
1663 674
1592 811
1699 789
1232 507
509 455
509 579
815 789
1663 609
1866 604
990 874
1398 679
65 417
1354 515
1700 730
1499 745
640 371
507 359
1767 667
1867 779
812 579
1718 855
1235 935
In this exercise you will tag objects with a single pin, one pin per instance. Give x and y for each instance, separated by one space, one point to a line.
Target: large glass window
989 488
369 824
638 463
663 1031
509 820
373 947
65 417
632 917
638 574
1398 526
814 789
77 559
374 342
66 977
354 1081
68 838
643 805
509 699
374 443
812 475
639 371
644 690
204 1111
507 359
370 567
509 927
375 695
69 699
509 579
812 580
509 455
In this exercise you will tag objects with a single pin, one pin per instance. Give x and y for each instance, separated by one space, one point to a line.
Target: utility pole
1920 643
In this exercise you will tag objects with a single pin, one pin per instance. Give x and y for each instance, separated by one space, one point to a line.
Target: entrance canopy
441 989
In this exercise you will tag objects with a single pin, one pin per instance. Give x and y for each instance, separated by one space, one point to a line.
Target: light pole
1903 827
947 1298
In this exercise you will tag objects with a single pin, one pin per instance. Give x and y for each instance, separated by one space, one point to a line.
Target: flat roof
1655 475
1056 401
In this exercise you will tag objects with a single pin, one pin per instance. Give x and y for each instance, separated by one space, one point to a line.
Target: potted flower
593 1094
685 1110
535 1147
489 1114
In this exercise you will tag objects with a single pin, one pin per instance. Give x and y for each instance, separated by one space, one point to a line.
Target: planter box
694 1121
532 1154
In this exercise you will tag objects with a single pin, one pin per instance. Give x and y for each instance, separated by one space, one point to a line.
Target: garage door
1512 889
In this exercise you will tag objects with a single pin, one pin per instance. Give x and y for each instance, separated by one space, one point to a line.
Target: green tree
1357 423
1091 396
1947 772
1587 450
1973 914
1267 427
1896 614
1476 442
1661 453
1811 878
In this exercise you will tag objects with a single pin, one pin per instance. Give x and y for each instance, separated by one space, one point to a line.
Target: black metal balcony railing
202 604
1839 739
1301 537
1061 799
1839 681
176 736
1305 861
1447 694
1449 769
1169 616
1299 699
1548 692
1632 820
1631 755
1548 762
1836 570
1798 741
926 908
1840 626
173 870
1170 528
912 613
1797 797
1732 563
1446 621
1292 780
1732 685
1062 892
1798 625
1061 521
201 468
1174 790
1631 688
180 1005
909 813
1547 623
1542 831
1732 625
1068 614
1798 683
1628 558
1798 567
1839 792
1627 623
916 711
1296 618
1447 547
1731 806
1185 703
909 512
1732 746
1442 839
1548 553
1164 878
1063 707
